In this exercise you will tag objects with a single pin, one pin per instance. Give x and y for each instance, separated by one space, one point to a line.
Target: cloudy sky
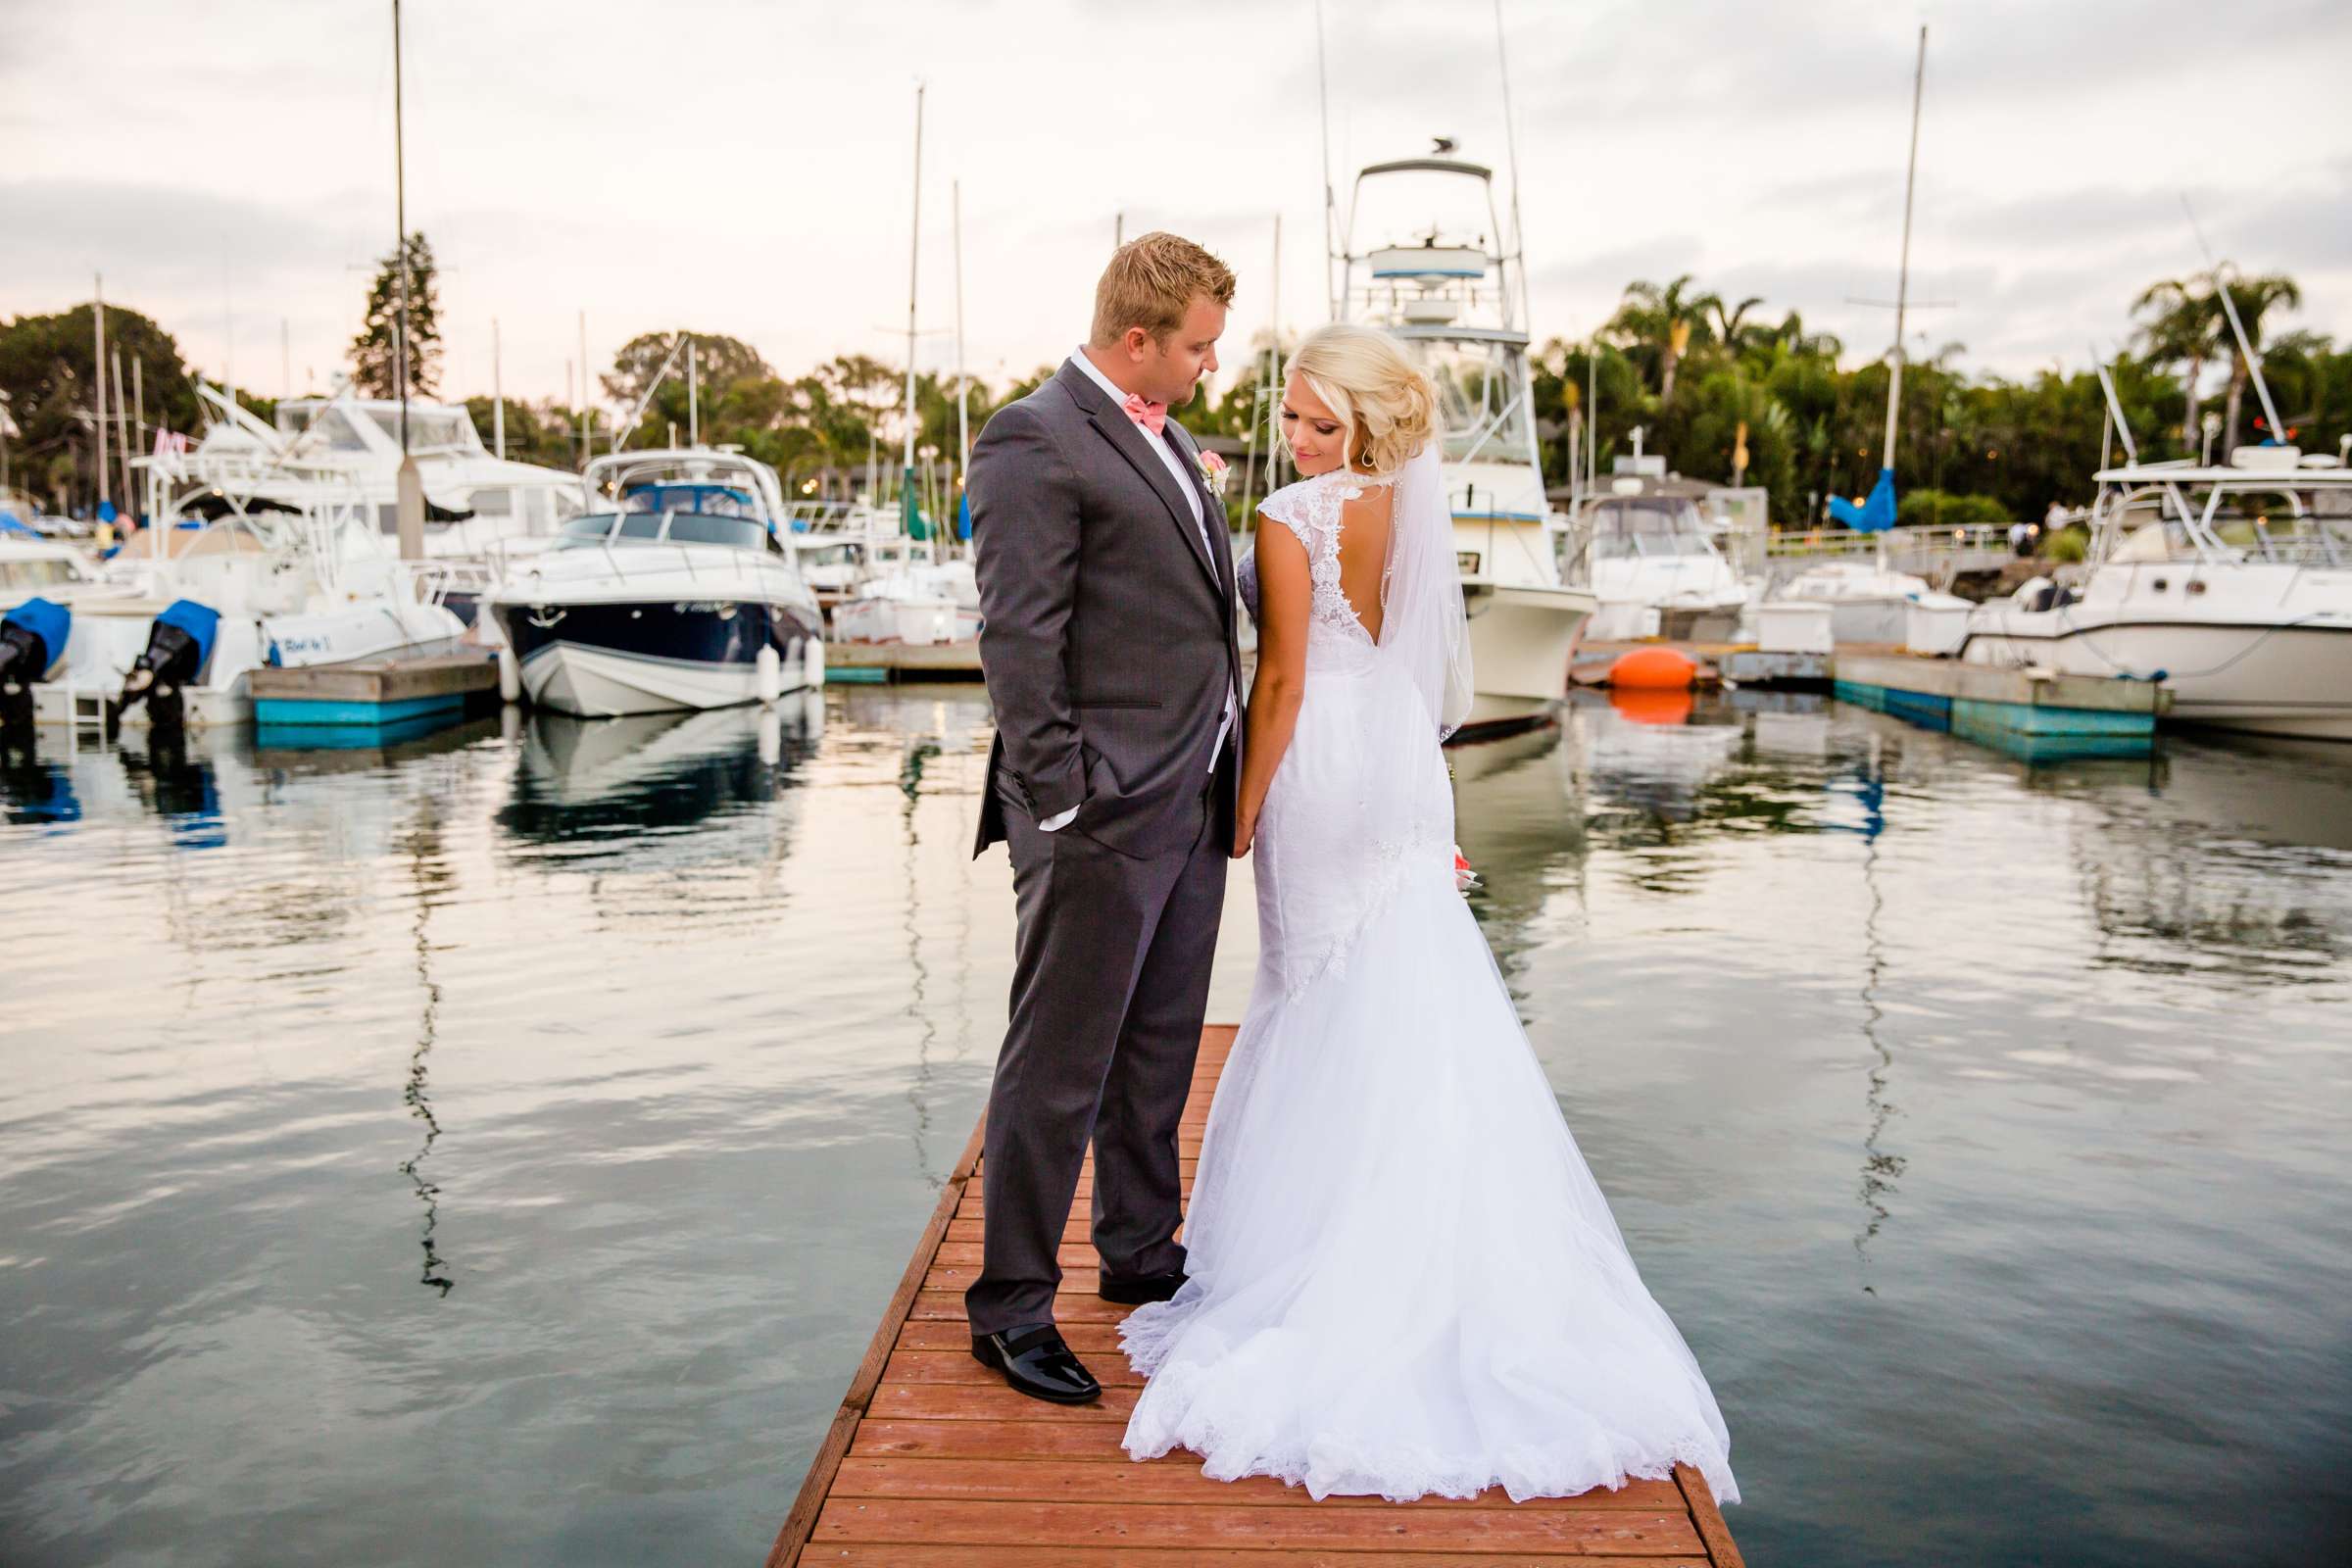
743 166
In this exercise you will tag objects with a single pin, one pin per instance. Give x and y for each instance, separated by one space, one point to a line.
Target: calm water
497 1150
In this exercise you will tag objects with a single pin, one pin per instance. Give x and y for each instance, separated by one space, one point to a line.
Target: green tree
50 387
375 352
2183 326
2255 298
1662 321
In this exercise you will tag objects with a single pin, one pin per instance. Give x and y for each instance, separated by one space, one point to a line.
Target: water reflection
431 880
1941 1097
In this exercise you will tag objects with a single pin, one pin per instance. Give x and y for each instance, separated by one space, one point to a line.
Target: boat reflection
1519 818
596 786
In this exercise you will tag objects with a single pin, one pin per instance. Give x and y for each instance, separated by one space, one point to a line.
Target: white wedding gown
1403 1279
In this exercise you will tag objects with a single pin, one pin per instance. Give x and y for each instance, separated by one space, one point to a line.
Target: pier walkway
932 1462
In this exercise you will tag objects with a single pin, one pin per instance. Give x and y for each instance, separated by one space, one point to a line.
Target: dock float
932 1462
364 702
865 663
2033 713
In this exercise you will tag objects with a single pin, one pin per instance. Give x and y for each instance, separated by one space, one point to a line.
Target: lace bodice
1310 509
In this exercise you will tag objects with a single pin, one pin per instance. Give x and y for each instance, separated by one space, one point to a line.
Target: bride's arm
1284 594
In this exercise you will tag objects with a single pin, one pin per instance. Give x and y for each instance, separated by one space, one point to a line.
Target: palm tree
1731 326
1664 319
2186 329
2253 297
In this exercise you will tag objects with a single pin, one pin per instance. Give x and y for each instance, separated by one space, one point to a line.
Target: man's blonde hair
1151 282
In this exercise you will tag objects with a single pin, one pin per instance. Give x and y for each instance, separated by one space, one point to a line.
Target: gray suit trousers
1111 977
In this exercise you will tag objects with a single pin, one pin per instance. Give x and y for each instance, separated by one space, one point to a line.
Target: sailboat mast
98 382
1903 277
400 240
964 399
1510 139
1330 232
914 251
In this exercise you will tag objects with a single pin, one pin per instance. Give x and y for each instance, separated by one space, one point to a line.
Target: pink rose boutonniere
1214 472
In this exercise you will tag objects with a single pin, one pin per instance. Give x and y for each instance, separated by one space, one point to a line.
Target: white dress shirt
1191 487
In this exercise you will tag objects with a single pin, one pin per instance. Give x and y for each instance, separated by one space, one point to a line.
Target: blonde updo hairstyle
1384 401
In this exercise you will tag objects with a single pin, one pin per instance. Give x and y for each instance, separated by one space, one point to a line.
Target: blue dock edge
368 702
2035 717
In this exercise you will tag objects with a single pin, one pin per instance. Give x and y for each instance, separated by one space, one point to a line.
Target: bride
1403 1278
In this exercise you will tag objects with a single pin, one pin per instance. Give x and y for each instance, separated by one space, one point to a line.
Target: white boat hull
1521 642
2260 647
2263 680
600 683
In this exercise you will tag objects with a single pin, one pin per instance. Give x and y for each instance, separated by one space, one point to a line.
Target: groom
1106 583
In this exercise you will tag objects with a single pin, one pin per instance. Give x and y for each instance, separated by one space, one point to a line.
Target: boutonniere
1214 472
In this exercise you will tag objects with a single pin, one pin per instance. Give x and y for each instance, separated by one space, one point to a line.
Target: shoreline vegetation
1700 376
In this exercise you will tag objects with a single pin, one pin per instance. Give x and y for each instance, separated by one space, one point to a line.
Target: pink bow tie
1151 416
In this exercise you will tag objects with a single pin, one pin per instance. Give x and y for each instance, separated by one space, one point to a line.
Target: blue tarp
1873 515
200 622
46 619
10 523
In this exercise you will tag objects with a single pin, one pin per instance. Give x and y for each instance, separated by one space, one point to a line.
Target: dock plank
931 1462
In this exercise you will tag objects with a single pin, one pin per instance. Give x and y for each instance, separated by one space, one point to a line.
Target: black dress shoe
1141 1288
1036 1362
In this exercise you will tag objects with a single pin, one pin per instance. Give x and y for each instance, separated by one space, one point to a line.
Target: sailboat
1872 603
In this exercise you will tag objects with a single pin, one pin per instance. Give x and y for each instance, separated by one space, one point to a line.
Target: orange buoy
1654 669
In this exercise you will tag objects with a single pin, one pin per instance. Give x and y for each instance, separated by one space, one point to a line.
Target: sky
747 168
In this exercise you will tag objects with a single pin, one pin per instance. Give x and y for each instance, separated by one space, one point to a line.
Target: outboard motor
178 645
33 639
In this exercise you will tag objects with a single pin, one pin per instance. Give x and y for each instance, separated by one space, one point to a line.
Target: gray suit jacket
1108 639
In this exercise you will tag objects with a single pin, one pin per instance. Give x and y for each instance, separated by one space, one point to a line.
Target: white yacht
476 505
2231 585
1455 299
1869 602
673 589
921 604
1655 569
194 603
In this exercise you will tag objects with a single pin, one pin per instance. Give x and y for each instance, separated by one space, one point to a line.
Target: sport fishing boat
2230 585
674 589
1452 296
194 603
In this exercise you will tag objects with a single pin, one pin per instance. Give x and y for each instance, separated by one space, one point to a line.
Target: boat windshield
670 528
1647 528
1481 397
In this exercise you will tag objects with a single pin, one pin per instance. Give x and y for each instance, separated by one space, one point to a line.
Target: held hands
1244 832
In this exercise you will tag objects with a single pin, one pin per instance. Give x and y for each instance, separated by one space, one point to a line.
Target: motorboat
476 505
1655 569
921 604
195 602
2232 585
1452 296
1869 602
673 589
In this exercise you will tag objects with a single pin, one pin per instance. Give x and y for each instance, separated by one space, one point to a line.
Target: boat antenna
914 246
1331 232
621 437
2115 408
2238 328
1510 139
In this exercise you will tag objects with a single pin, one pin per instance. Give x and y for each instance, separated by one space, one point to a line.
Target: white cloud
743 167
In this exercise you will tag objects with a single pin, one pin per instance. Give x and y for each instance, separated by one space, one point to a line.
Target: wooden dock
932 1462
851 663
